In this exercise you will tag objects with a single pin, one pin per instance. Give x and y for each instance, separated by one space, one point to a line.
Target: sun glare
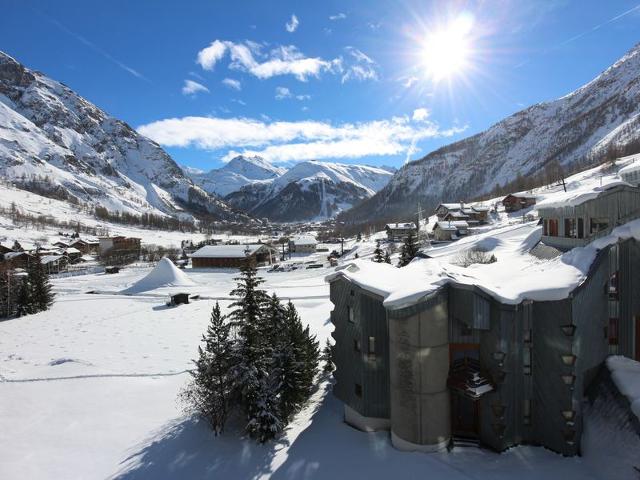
447 48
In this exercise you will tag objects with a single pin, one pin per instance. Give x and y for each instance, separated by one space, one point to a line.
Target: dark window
526 335
358 390
598 224
613 286
372 345
613 331
351 314
465 330
569 227
526 361
581 228
356 345
352 293
527 412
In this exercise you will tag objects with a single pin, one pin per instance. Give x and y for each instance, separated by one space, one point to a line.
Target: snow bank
626 375
165 274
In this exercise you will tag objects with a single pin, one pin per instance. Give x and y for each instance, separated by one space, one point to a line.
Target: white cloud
209 56
362 67
420 114
284 92
292 25
231 83
339 16
192 88
250 57
295 141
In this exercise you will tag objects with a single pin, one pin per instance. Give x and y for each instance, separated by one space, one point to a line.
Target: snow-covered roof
226 251
451 206
632 167
400 226
304 240
72 250
583 193
516 276
453 225
50 259
10 255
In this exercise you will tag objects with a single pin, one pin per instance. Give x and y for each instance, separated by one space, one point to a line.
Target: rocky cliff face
56 141
572 129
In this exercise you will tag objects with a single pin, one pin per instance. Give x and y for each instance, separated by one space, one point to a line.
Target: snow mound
626 375
165 274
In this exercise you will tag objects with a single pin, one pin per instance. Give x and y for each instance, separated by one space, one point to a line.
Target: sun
446 51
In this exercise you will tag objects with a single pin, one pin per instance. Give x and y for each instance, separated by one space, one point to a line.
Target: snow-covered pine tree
387 257
42 296
301 357
275 335
327 357
24 301
210 391
252 356
378 255
408 251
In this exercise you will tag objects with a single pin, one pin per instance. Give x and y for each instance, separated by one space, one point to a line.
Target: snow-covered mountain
310 190
580 127
55 142
239 172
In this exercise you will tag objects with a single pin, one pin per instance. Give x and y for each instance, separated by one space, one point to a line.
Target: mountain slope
577 128
310 190
239 172
56 142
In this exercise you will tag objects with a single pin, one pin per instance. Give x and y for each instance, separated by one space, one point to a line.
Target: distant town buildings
398 232
303 244
233 256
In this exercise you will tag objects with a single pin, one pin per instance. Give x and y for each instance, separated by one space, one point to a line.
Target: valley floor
89 390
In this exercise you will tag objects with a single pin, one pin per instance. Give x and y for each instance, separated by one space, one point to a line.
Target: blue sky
354 82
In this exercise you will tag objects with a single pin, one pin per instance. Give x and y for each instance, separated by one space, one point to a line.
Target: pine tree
378 255
211 389
327 357
24 301
359 237
387 257
409 250
252 356
41 294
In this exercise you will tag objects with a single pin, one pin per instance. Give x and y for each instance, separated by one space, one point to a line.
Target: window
613 331
351 314
581 228
598 224
526 335
465 330
613 286
526 361
358 390
352 293
372 345
569 227
356 345
526 412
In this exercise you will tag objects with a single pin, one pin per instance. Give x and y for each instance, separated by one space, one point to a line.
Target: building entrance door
464 361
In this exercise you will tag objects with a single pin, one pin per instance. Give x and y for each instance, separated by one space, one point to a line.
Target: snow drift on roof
165 274
226 251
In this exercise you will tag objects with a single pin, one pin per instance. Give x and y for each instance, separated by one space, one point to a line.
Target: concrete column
419 366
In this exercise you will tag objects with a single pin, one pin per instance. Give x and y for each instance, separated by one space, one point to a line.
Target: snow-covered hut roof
50 259
226 251
453 225
304 240
578 196
400 226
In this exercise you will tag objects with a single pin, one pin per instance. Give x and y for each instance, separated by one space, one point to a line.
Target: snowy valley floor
88 390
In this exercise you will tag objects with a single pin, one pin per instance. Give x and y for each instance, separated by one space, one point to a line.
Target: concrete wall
419 367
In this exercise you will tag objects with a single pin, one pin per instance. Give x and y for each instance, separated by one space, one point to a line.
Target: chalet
398 232
631 173
17 259
61 245
86 246
233 256
459 211
72 253
500 357
514 203
54 263
119 244
578 218
303 244
445 231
